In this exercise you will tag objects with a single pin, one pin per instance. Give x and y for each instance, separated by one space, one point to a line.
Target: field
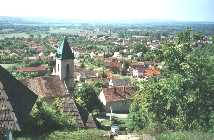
15 35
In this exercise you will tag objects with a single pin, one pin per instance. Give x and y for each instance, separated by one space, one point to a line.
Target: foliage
140 48
87 97
23 75
12 43
137 118
184 37
181 98
78 135
90 134
186 136
9 59
47 117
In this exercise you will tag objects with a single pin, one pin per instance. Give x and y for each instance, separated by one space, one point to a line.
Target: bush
46 117
137 118
91 134
86 97
78 135
185 136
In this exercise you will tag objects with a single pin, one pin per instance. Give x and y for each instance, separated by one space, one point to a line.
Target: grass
90 134
185 136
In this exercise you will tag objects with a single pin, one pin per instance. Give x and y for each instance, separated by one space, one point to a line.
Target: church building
61 84
65 64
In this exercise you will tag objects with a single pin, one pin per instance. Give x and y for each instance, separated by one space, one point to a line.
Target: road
134 137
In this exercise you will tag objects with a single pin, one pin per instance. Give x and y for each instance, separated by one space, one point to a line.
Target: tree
86 96
197 36
184 37
140 48
47 117
181 98
137 118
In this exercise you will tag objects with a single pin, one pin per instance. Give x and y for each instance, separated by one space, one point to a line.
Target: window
58 67
67 69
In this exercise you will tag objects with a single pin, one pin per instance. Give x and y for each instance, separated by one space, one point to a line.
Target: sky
179 10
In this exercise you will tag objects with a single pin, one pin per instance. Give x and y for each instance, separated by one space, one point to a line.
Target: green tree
87 97
137 118
140 48
197 36
181 98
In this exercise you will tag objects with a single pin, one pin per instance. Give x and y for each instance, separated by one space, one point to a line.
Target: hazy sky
182 10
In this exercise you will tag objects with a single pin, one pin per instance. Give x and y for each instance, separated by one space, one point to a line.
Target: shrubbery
182 97
47 117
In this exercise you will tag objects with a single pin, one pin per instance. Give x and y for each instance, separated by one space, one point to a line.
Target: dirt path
134 137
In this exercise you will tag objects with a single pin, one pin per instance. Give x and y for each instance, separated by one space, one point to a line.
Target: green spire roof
64 50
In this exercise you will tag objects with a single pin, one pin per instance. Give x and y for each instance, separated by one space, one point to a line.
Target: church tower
65 64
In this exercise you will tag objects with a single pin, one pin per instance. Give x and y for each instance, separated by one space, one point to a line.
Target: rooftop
117 93
46 86
64 50
16 101
33 69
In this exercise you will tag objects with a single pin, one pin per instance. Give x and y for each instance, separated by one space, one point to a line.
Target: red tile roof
32 69
46 86
151 71
117 93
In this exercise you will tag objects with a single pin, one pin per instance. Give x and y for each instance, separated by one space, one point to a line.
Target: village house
113 64
137 70
118 82
116 99
82 74
117 55
144 70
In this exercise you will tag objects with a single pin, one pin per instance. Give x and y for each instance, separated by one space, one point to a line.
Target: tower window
67 69
58 67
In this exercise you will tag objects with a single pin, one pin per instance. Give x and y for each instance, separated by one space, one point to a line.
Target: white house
118 82
116 99
137 73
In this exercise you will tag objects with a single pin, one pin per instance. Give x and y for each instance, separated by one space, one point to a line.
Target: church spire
64 50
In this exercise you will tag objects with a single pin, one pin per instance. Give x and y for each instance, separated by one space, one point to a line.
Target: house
50 87
16 101
113 63
82 74
92 55
144 69
117 55
137 70
151 71
116 99
118 82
